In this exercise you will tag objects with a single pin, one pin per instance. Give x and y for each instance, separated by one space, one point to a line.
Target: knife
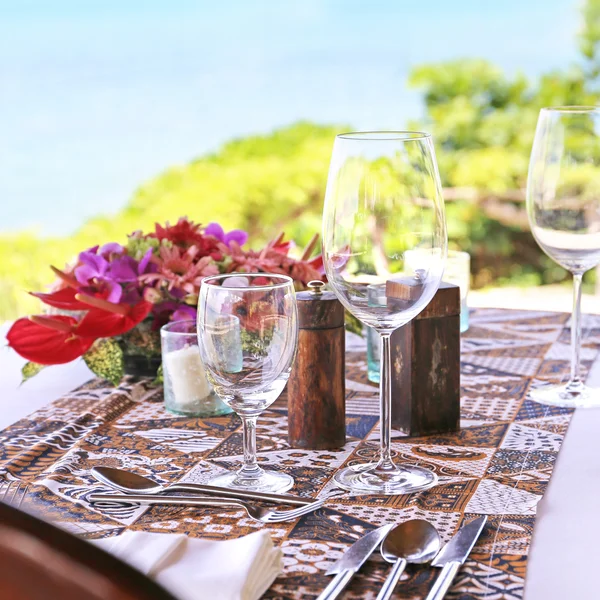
352 561
453 555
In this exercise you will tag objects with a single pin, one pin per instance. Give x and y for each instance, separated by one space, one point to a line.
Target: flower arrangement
117 297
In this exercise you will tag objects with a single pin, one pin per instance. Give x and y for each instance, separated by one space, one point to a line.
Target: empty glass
563 205
247 333
383 199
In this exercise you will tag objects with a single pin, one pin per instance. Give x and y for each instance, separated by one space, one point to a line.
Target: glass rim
461 253
575 109
385 136
287 280
166 328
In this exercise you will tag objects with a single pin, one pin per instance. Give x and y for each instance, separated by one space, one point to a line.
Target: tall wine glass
247 334
563 205
383 199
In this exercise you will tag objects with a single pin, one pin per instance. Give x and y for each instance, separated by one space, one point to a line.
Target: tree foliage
264 184
483 124
589 38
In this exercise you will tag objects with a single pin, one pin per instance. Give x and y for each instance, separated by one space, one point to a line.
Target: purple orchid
95 271
126 268
235 235
184 312
162 312
109 249
145 266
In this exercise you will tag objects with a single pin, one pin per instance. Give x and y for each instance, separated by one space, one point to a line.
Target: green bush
483 125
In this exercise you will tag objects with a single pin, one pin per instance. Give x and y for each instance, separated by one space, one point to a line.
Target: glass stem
385 463
575 380
250 469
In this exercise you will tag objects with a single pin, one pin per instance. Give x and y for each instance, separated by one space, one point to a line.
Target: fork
13 492
254 512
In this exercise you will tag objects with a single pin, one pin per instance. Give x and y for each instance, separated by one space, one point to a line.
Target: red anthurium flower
65 277
106 319
48 340
64 299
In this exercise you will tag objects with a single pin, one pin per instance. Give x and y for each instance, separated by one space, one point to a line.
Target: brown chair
41 562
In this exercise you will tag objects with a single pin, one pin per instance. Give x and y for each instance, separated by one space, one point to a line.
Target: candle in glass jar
187 390
186 375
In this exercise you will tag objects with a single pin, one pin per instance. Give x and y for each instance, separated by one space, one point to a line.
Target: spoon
415 541
133 483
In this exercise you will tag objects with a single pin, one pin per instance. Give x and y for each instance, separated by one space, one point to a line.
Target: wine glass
384 199
563 205
247 334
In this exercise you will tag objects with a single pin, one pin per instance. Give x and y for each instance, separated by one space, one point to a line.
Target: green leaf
353 324
105 359
30 369
159 380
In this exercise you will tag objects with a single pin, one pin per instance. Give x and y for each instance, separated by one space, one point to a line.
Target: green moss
29 370
105 359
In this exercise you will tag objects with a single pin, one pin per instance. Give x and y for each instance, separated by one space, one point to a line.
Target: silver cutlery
128 482
13 492
415 541
255 512
453 555
353 559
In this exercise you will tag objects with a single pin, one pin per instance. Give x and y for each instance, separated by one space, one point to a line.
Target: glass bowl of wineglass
563 206
384 199
247 335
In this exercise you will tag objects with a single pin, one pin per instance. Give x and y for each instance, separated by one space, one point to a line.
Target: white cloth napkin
196 569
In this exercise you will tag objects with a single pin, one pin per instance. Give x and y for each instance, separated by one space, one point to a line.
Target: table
555 570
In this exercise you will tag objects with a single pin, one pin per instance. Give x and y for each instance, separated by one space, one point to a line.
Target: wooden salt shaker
426 365
316 388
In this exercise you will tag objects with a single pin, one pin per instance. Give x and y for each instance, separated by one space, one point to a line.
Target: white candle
187 377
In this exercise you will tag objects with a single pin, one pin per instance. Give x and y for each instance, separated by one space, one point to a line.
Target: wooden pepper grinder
316 388
426 363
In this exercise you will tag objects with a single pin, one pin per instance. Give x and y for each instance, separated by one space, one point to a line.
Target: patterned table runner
498 464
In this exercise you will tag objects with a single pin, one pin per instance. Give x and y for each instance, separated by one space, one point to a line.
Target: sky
98 97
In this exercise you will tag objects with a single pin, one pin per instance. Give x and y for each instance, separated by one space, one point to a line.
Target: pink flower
186 233
274 259
178 268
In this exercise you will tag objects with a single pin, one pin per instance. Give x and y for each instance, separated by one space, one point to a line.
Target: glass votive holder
225 341
373 355
457 272
375 297
187 391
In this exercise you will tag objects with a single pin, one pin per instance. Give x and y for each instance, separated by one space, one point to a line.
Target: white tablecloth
565 552
50 384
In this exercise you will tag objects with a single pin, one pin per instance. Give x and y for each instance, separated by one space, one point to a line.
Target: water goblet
247 334
563 206
384 199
